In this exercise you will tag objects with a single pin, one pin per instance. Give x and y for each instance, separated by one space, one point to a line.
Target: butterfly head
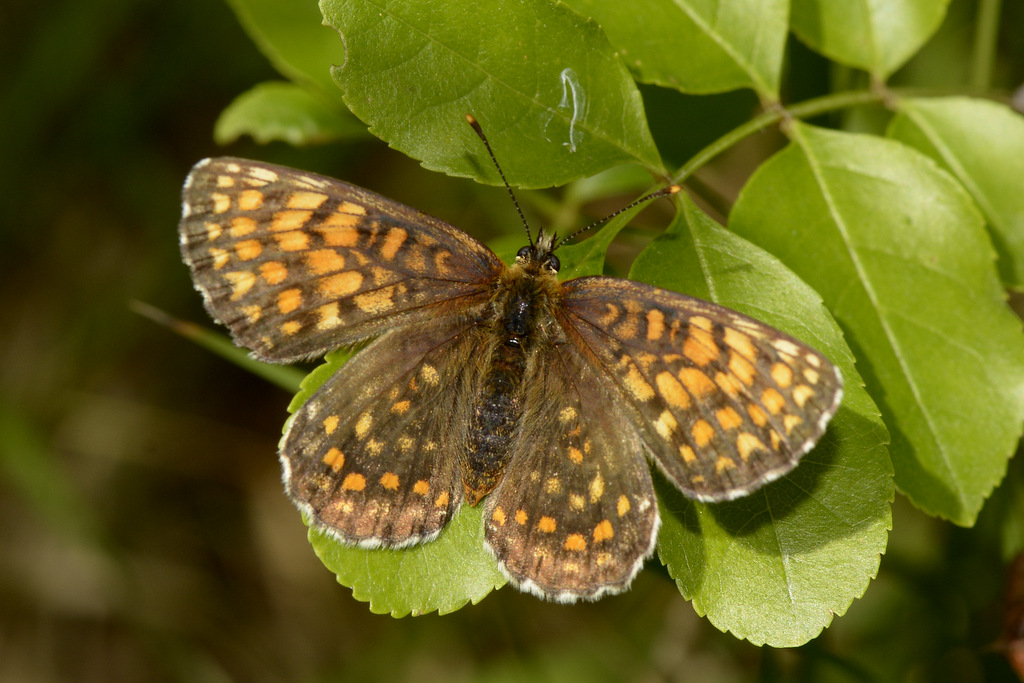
540 257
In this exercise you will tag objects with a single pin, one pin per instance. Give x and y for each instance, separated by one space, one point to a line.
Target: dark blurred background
144 534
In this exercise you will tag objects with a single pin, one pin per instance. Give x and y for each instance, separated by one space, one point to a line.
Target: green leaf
982 144
697 46
294 39
878 36
775 567
899 254
545 84
443 575
286 112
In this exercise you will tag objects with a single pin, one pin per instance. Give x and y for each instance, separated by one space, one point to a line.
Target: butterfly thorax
519 320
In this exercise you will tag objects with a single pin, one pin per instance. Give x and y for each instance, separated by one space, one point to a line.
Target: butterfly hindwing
575 515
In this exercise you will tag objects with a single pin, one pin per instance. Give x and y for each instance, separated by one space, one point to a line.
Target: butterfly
494 384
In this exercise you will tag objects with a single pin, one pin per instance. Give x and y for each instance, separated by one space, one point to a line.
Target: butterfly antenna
480 132
671 189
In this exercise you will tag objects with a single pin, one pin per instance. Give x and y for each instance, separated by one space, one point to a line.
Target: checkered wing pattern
297 264
723 402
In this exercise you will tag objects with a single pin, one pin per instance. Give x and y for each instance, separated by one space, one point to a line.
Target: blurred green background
144 534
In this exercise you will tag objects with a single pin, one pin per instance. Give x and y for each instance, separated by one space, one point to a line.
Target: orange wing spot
700 347
666 424
521 517
604 530
376 302
374 447
575 454
702 432
389 481
547 525
421 488
293 240
406 443
697 479
567 415
342 284
498 516
393 242
636 384
741 367
285 221
225 181
221 257
352 209
723 463
790 422
747 443
247 250
330 423
339 230
213 230
782 375
740 343
242 226
696 382
701 322
671 390
729 384
757 415
655 324
241 283
773 400
442 500
363 424
335 459
728 418
576 502
289 300
273 272
552 485
250 200
306 200
801 393
328 314
629 328
596 488
221 202
290 327
687 454
776 440
252 313
323 261
354 482
610 316
440 257
622 507
400 407
575 543
811 375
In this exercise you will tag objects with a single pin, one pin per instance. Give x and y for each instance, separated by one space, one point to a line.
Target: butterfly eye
527 253
552 263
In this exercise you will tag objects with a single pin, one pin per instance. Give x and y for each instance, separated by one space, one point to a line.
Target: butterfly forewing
725 403
575 515
297 264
